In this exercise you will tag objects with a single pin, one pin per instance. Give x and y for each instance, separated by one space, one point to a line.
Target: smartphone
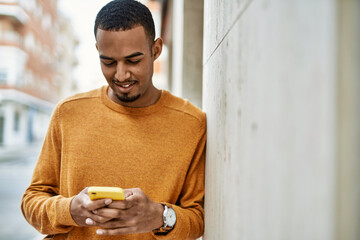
115 193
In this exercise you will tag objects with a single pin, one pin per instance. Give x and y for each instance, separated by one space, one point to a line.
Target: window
29 41
29 5
17 121
46 22
12 36
2 124
3 75
29 79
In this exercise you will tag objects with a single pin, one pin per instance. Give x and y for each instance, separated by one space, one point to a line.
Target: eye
133 61
108 63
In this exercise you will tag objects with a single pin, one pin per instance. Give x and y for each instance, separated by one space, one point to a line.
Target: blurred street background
47 53
16 166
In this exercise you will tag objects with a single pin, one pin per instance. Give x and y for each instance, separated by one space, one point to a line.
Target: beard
126 98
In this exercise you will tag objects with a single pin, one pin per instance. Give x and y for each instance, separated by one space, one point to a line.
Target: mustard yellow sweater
92 141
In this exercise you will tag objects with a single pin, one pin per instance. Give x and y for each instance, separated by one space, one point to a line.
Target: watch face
170 217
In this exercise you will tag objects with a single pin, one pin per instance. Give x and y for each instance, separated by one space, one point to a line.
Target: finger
117 213
109 212
85 214
118 223
96 204
94 219
136 194
128 192
85 190
122 204
116 231
132 196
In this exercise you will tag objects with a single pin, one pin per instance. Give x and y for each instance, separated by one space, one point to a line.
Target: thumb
128 192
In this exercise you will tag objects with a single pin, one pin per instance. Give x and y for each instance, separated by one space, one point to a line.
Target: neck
149 98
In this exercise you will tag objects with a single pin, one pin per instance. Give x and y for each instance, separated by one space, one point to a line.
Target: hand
136 214
81 209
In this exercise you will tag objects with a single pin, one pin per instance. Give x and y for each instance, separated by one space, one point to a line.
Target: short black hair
124 15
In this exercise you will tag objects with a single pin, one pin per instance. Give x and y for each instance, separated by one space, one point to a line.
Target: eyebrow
134 55
127 57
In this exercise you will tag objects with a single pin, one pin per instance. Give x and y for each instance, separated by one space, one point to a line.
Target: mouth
124 87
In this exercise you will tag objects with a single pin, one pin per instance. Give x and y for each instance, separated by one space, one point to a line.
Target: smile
124 87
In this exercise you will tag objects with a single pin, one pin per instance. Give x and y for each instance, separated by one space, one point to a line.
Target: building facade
36 63
280 83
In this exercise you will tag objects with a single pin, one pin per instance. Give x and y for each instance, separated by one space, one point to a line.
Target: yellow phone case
115 193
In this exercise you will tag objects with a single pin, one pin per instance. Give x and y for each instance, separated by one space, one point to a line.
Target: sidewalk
19 152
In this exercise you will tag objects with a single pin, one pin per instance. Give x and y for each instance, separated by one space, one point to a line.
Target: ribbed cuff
63 215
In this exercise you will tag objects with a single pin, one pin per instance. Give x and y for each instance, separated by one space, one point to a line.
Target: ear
157 48
96 46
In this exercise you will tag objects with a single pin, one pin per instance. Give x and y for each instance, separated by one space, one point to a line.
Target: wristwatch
169 218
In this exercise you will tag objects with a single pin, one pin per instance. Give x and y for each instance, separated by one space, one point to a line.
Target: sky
82 15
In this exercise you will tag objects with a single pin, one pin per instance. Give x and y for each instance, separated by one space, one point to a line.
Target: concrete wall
348 207
269 91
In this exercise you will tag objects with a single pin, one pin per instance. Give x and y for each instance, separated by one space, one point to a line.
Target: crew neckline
132 110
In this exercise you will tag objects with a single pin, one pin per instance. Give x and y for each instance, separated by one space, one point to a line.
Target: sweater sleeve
42 206
189 208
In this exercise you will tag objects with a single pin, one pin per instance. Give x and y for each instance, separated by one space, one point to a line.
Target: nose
122 72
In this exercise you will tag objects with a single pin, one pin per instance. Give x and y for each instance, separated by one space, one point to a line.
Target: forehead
122 43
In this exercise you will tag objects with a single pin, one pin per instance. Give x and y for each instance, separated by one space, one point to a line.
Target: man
128 134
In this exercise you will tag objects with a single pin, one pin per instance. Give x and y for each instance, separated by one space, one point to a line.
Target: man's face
127 63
